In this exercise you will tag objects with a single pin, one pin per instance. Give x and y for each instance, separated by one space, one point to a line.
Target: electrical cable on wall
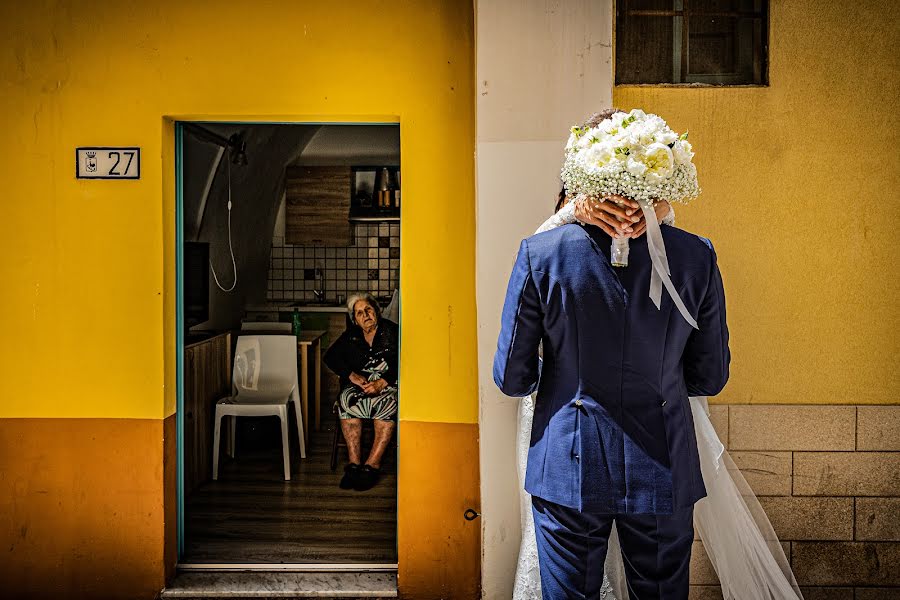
230 247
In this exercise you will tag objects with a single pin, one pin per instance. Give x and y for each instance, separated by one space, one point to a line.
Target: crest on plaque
90 162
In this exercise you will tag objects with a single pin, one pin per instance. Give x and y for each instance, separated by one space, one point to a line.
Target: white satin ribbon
659 277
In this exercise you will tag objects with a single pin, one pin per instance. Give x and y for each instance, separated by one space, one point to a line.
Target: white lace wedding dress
737 535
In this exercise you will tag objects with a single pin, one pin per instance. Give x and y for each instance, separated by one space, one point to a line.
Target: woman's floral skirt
353 403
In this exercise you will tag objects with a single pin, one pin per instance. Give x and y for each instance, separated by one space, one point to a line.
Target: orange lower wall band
81 508
88 508
438 479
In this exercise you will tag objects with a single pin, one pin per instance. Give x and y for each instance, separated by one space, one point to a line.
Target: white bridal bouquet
635 155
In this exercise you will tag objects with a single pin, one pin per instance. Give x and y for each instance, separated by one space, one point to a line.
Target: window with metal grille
713 42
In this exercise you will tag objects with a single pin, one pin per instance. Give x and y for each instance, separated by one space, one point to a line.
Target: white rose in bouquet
682 151
659 162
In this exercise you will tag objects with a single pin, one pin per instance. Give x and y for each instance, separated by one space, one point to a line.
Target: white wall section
541 67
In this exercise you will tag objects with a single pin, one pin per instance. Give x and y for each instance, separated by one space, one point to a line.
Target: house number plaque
108 163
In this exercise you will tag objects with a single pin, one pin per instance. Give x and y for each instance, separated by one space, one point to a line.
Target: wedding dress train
737 536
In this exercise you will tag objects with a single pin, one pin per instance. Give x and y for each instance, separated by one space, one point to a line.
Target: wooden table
306 339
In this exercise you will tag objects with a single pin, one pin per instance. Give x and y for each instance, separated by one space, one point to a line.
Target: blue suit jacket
612 430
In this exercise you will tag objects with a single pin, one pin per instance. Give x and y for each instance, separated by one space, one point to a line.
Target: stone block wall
828 477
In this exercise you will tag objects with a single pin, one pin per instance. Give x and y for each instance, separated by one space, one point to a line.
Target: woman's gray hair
354 298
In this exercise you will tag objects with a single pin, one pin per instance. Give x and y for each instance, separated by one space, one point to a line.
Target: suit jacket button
578 402
664 403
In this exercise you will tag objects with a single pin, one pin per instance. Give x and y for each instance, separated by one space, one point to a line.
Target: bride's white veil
737 535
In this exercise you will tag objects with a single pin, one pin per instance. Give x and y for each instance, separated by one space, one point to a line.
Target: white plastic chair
391 312
264 381
265 326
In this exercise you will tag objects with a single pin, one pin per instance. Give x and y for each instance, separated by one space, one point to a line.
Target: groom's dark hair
560 200
598 117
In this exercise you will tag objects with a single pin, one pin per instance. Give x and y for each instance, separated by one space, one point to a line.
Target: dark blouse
351 352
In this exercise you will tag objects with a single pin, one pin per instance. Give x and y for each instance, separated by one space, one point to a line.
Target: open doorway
280 225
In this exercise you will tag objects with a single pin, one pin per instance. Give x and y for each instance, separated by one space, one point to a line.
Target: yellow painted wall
800 198
88 272
88 309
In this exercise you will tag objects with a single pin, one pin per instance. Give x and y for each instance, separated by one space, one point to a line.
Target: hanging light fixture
238 148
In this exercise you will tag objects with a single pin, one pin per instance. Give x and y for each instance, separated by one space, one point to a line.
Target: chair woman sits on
365 358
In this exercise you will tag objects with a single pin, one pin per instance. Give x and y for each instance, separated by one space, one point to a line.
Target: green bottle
295 323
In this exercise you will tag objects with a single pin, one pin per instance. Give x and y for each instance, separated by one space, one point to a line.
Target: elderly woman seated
365 358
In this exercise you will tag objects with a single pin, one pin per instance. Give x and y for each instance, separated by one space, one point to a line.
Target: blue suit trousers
572 545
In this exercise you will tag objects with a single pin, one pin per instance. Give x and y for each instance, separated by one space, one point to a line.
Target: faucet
319 292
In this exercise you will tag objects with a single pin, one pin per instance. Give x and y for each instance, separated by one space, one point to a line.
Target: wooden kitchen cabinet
317 206
207 378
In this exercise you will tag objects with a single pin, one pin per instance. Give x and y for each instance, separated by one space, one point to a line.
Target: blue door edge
179 335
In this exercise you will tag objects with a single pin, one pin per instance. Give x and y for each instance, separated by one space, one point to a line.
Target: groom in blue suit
613 437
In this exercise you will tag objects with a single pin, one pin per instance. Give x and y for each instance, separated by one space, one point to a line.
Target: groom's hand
616 215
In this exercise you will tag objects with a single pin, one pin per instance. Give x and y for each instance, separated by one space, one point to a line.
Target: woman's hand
661 209
357 379
373 388
616 215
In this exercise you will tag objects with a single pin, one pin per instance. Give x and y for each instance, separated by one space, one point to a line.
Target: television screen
196 283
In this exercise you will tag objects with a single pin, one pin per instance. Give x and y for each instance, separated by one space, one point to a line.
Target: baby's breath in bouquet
632 154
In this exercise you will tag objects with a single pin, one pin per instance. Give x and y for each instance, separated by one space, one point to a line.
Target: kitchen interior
282 223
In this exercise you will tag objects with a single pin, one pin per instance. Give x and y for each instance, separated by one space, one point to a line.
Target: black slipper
366 478
351 473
